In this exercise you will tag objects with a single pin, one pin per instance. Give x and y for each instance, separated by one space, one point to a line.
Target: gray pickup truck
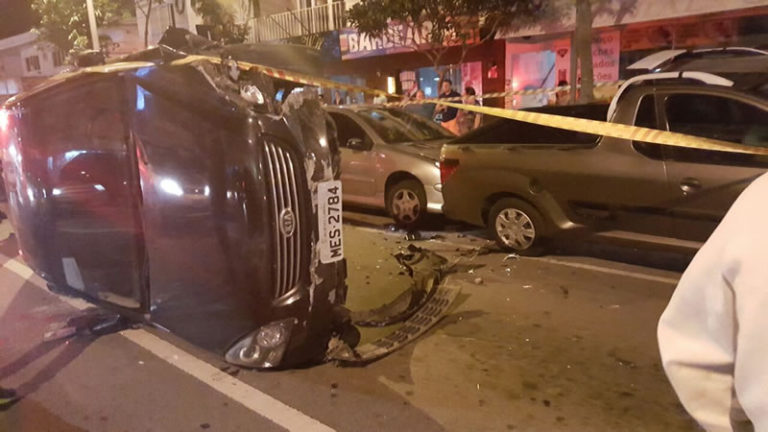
529 184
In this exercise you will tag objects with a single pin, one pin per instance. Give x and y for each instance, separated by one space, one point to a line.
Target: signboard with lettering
400 38
606 47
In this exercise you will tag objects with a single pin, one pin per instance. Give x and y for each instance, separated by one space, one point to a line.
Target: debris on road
419 308
478 281
413 236
473 253
512 256
91 321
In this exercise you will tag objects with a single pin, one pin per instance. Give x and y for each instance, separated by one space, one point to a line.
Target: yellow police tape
595 127
511 93
614 130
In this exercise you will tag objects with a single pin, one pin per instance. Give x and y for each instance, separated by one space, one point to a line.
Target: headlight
252 94
263 348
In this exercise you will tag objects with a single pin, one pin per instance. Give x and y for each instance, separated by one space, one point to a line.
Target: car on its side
529 183
389 160
176 191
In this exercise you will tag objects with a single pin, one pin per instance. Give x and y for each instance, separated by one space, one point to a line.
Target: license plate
329 221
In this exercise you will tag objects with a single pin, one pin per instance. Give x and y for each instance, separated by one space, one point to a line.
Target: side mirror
356 144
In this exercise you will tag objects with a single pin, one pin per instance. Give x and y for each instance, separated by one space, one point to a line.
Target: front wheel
407 203
517 226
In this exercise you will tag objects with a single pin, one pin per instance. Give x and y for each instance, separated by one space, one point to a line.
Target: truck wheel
517 226
407 203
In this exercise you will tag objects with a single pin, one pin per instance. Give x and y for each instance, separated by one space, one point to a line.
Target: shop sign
400 38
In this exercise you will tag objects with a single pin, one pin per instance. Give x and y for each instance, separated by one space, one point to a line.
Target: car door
86 175
357 164
708 182
618 188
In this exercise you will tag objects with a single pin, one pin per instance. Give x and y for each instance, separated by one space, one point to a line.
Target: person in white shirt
713 335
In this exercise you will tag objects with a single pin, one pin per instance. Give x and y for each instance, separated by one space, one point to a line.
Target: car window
720 118
427 130
389 128
505 131
346 129
646 117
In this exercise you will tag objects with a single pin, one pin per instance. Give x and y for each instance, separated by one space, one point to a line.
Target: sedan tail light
447 168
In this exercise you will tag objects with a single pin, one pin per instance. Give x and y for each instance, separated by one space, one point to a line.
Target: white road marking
601 269
253 399
592 267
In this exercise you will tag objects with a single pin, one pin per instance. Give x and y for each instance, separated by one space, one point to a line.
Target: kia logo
287 222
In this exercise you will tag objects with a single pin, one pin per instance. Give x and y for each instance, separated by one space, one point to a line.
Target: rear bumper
434 198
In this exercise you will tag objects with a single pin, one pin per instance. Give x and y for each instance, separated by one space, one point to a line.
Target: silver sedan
389 160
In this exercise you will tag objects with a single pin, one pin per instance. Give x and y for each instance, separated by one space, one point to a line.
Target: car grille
283 177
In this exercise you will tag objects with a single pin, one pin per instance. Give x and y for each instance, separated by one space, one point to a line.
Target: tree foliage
65 22
441 24
220 16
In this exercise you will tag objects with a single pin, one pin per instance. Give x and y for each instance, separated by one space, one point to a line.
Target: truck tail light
447 168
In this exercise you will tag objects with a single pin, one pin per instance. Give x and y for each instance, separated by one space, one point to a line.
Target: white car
389 160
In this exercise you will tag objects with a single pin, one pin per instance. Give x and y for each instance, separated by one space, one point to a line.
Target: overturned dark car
186 193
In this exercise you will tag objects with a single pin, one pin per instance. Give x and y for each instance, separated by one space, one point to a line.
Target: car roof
724 64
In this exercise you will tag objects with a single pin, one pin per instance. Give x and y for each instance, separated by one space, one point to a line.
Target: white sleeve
716 324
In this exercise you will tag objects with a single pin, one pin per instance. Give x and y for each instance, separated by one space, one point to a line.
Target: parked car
530 183
181 195
389 160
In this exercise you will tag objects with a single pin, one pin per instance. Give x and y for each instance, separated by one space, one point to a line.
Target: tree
64 23
581 42
146 10
432 27
219 15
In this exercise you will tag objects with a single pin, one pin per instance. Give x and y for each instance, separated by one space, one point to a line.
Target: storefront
543 60
379 64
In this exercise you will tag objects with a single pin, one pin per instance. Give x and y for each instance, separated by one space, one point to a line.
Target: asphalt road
559 343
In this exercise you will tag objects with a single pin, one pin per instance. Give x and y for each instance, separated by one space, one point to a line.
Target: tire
407 203
517 226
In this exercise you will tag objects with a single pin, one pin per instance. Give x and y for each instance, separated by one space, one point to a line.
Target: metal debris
512 256
424 267
421 307
413 236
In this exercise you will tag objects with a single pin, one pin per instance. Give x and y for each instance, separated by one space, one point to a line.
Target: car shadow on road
71 349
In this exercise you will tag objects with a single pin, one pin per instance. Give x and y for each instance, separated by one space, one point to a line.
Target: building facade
25 61
536 58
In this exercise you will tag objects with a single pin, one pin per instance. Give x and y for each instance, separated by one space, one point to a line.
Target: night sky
15 17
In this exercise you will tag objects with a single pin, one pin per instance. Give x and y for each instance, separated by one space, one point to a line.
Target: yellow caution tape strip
514 93
595 127
614 130
285 75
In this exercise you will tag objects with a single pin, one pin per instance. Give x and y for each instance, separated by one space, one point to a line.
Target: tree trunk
574 76
146 23
583 43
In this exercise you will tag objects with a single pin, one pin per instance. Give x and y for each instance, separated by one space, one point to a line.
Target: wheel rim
515 229
406 206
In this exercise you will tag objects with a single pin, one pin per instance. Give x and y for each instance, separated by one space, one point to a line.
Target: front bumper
297 333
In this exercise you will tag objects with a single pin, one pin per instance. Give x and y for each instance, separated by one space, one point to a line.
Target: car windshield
395 126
